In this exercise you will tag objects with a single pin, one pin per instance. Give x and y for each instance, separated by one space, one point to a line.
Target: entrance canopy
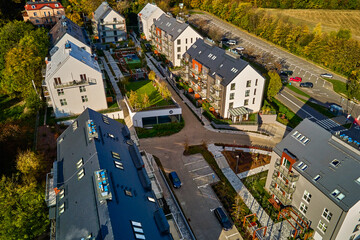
239 111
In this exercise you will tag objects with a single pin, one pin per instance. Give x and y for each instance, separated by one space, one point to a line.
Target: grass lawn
160 130
338 86
255 184
285 115
321 109
145 86
11 108
298 91
134 65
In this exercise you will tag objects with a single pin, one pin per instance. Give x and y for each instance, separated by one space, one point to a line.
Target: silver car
326 75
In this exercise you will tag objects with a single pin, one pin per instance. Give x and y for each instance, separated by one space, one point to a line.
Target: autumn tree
353 85
145 100
151 75
133 99
274 85
29 163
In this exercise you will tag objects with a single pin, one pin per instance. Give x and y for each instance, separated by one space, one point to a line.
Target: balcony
215 96
216 87
75 83
285 172
284 186
282 198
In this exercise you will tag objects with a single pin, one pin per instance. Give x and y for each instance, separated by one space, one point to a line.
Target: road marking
234 234
297 106
194 170
203 186
203 176
193 162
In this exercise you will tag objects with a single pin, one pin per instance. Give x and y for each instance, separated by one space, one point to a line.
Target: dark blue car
223 219
174 178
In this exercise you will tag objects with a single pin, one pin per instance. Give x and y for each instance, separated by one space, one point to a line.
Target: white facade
74 81
184 42
350 224
67 37
146 18
255 90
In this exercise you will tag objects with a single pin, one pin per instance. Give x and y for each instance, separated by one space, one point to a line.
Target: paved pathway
112 79
279 230
114 66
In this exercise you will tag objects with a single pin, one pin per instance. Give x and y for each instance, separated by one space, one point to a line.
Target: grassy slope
145 86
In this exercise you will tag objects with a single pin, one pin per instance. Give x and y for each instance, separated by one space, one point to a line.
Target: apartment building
73 81
108 25
172 37
317 173
232 86
43 13
101 185
66 30
146 18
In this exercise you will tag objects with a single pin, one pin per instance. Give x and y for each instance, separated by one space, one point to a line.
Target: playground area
129 63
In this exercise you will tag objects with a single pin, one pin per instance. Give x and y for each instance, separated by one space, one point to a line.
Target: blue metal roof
125 211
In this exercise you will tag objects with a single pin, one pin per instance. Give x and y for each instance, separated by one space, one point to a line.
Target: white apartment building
232 86
108 25
146 18
318 174
73 81
66 30
173 37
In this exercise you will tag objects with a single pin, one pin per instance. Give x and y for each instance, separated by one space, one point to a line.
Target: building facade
43 13
108 25
66 30
146 18
227 81
317 174
172 37
73 81
101 185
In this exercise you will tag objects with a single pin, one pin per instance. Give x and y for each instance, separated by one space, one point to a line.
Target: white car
326 75
231 42
239 49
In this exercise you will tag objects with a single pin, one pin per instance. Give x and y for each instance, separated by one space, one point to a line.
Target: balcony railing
282 198
284 186
215 96
285 172
74 83
217 87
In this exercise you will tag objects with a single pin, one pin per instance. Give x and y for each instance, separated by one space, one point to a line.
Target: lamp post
237 163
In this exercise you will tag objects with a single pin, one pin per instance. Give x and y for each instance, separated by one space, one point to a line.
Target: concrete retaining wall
236 127
268 118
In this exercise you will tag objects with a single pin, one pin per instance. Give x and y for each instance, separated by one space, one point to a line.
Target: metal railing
282 198
216 87
216 97
88 81
285 172
285 186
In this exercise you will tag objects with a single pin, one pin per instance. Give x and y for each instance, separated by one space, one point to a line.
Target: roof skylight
338 195
335 163
358 180
316 178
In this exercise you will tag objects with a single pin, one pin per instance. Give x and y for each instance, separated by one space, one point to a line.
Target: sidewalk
114 66
281 230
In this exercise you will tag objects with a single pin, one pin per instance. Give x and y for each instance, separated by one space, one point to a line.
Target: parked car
239 49
224 40
231 42
326 75
286 72
174 178
223 219
296 79
307 85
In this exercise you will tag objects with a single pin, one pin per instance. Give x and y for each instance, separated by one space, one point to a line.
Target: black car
286 72
223 219
307 85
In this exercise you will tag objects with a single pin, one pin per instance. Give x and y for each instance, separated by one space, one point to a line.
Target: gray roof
170 25
216 59
239 111
84 214
66 26
318 153
101 10
148 10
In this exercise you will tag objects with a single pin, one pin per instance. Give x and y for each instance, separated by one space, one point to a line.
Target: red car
296 79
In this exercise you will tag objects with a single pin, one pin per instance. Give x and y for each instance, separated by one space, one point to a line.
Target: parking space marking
203 186
186 164
197 169
203 176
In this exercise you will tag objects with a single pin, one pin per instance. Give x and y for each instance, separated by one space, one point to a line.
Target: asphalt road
322 90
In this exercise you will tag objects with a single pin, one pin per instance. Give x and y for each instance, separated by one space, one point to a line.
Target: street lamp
237 163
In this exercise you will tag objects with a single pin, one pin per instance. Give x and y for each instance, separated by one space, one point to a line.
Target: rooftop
217 60
107 193
66 51
102 10
170 25
148 10
39 5
329 163
66 26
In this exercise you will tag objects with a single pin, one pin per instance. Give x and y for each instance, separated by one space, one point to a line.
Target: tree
164 91
29 163
146 101
122 6
195 3
274 84
133 99
152 75
238 210
353 85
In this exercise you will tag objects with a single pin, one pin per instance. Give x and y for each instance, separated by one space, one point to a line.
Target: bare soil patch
247 160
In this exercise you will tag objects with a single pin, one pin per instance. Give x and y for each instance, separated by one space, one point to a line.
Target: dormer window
33 6
56 5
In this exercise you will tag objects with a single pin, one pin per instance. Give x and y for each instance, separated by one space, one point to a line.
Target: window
253 101
57 81
335 192
58 12
60 92
81 174
56 5
246 102
191 40
83 77
186 40
179 41
63 102
128 193
300 164
322 226
303 208
286 163
115 155
33 6
151 199
303 168
357 228
80 163
84 98
106 120
178 56
316 178
103 27
35 14
110 135
327 214
115 33
119 165
61 208
254 91
248 83
61 194
357 180
179 49
232 96
307 196
232 86
37 21
114 19
352 237
82 89
247 93
256 82
75 125
45 14
335 163
338 195
231 105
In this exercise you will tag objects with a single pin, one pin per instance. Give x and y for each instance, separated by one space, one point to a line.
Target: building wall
146 23
350 227
107 27
70 38
44 16
274 157
187 38
68 72
240 88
